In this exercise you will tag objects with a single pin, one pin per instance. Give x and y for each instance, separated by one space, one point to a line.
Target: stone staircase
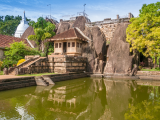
41 81
24 65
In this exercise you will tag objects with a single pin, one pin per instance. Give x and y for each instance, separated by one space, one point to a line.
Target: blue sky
96 9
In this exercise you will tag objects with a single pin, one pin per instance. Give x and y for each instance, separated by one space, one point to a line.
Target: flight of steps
41 81
26 64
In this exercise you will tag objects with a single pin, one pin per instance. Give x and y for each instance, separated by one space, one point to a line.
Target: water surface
84 99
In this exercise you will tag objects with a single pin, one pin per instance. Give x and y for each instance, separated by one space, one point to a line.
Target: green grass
37 74
1 72
150 70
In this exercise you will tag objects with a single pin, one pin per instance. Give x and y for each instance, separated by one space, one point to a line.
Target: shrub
140 67
17 51
1 65
20 61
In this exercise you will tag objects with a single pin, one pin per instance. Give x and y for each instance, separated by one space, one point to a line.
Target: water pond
84 99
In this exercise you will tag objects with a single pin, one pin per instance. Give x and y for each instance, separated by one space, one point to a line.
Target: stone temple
21 27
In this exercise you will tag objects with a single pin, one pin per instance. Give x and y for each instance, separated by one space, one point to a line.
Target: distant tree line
8 24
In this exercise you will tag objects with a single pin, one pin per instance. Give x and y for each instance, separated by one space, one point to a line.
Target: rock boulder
119 60
63 26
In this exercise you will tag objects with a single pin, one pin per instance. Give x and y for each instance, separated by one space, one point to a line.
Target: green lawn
37 74
150 70
1 72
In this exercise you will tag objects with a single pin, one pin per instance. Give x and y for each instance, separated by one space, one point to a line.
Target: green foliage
156 69
144 31
17 51
139 67
147 109
50 49
42 30
8 24
1 72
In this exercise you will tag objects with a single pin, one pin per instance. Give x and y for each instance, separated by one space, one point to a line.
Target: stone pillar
117 16
129 15
61 20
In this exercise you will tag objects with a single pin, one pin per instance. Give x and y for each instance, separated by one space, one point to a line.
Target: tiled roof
67 35
5 40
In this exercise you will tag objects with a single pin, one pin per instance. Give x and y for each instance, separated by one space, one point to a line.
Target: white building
21 27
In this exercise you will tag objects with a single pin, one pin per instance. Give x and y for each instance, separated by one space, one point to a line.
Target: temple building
69 42
21 27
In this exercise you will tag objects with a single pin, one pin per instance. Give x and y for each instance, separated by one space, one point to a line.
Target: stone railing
108 21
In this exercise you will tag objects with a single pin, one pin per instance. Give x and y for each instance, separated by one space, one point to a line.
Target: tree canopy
143 33
17 51
8 24
42 30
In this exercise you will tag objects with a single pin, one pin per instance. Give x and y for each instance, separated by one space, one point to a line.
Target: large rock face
99 42
63 26
119 61
80 23
95 50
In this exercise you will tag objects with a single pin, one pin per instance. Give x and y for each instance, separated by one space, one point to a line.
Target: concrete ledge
96 75
149 78
123 77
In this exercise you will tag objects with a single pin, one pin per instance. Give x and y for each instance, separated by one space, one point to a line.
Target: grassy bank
37 74
150 70
1 72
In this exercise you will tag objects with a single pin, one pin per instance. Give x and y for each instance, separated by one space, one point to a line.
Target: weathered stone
80 23
119 60
99 42
64 26
5 71
134 71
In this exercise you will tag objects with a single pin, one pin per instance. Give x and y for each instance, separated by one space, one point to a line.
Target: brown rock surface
119 60
94 50
80 23
63 26
99 42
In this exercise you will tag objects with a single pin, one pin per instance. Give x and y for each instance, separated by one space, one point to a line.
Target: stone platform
8 82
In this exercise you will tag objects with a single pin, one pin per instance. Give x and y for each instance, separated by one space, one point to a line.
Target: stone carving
119 60
134 71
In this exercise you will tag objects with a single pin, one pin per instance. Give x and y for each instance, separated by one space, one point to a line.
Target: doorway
64 47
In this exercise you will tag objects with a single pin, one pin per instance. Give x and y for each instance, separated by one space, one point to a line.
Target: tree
42 30
143 33
9 24
17 51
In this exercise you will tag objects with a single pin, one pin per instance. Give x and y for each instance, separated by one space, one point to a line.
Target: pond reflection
84 99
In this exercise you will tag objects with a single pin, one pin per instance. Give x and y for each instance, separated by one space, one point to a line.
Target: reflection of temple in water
64 94
85 99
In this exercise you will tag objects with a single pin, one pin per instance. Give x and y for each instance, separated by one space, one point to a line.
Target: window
56 45
59 45
73 44
69 44
78 44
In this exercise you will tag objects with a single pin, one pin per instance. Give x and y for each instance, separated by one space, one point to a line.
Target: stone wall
108 26
108 30
14 83
67 64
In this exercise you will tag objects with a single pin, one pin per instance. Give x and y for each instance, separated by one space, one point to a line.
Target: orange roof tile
6 40
70 34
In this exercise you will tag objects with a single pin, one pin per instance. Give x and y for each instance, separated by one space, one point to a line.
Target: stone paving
9 76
